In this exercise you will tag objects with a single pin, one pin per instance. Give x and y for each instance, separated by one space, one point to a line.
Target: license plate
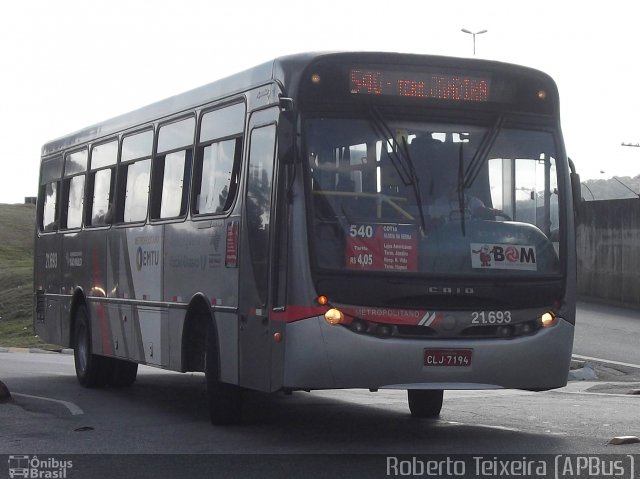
448 357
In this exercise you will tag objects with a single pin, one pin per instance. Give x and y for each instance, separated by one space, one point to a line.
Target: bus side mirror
287 136
576 186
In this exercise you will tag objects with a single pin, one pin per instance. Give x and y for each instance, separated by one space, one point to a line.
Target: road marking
486 426
73 409
607 361
593 393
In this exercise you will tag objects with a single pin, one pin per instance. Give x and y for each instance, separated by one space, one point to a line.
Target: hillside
16 271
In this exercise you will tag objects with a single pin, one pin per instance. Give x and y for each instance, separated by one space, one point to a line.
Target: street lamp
474 37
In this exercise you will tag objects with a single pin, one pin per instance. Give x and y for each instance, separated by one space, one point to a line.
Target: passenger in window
108 217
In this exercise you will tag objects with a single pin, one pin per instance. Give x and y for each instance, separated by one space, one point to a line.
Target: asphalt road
318 434
608 332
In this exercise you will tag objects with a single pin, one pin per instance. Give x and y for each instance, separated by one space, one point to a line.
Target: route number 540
361 231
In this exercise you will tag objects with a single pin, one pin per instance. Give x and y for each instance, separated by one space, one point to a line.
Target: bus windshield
431 197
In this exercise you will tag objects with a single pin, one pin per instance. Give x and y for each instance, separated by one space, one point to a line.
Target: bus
320 221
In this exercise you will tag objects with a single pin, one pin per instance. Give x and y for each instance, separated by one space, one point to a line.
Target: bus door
255 254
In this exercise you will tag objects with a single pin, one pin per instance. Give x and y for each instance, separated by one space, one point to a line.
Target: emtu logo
146 258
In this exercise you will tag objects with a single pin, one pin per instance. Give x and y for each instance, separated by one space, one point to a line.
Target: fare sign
382 247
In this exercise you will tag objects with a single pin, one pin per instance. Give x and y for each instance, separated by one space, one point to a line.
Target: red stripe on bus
296 313
103 322
378 315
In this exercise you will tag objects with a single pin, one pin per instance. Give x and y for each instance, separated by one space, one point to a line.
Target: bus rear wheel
425 403
91 370
224 400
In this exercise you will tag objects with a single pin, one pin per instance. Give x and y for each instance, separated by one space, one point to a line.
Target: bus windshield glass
439 198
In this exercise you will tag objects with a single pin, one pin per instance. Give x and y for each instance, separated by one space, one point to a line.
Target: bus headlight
334 316
548 319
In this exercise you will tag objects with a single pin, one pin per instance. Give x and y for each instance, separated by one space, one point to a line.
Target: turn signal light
322 300
334 316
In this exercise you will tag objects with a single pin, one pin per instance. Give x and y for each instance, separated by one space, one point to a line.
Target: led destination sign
436 85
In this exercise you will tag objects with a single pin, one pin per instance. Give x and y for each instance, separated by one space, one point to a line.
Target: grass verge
16 277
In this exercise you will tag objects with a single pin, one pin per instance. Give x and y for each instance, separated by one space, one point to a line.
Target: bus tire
224 400
425 403
91 370
123 373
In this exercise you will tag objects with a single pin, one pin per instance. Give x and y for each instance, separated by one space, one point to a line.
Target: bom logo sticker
503 256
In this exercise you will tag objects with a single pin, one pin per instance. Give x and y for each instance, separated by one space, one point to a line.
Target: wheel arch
198 318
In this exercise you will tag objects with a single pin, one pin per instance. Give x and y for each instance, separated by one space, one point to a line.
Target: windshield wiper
461 188
400 157
475 166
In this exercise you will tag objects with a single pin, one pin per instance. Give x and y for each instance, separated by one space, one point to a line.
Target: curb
36 350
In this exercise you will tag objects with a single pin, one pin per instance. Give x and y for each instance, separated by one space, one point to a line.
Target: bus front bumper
322 356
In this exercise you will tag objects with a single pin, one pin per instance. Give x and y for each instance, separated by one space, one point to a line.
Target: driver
442 197
437 168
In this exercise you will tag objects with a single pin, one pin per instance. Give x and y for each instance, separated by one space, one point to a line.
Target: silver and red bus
335 220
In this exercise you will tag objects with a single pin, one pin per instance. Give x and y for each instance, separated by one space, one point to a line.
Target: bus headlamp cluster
334 316
548 319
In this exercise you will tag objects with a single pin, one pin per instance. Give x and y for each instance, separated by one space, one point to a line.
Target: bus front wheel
224 400
425 403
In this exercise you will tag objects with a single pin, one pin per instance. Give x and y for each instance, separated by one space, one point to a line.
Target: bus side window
74 200
99 210
133 177
217 167
172 175
101 206
49 215
172 169
136 178
75 167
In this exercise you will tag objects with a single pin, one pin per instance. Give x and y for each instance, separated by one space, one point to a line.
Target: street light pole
474 37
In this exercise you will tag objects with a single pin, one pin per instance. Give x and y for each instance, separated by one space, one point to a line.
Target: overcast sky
67 64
